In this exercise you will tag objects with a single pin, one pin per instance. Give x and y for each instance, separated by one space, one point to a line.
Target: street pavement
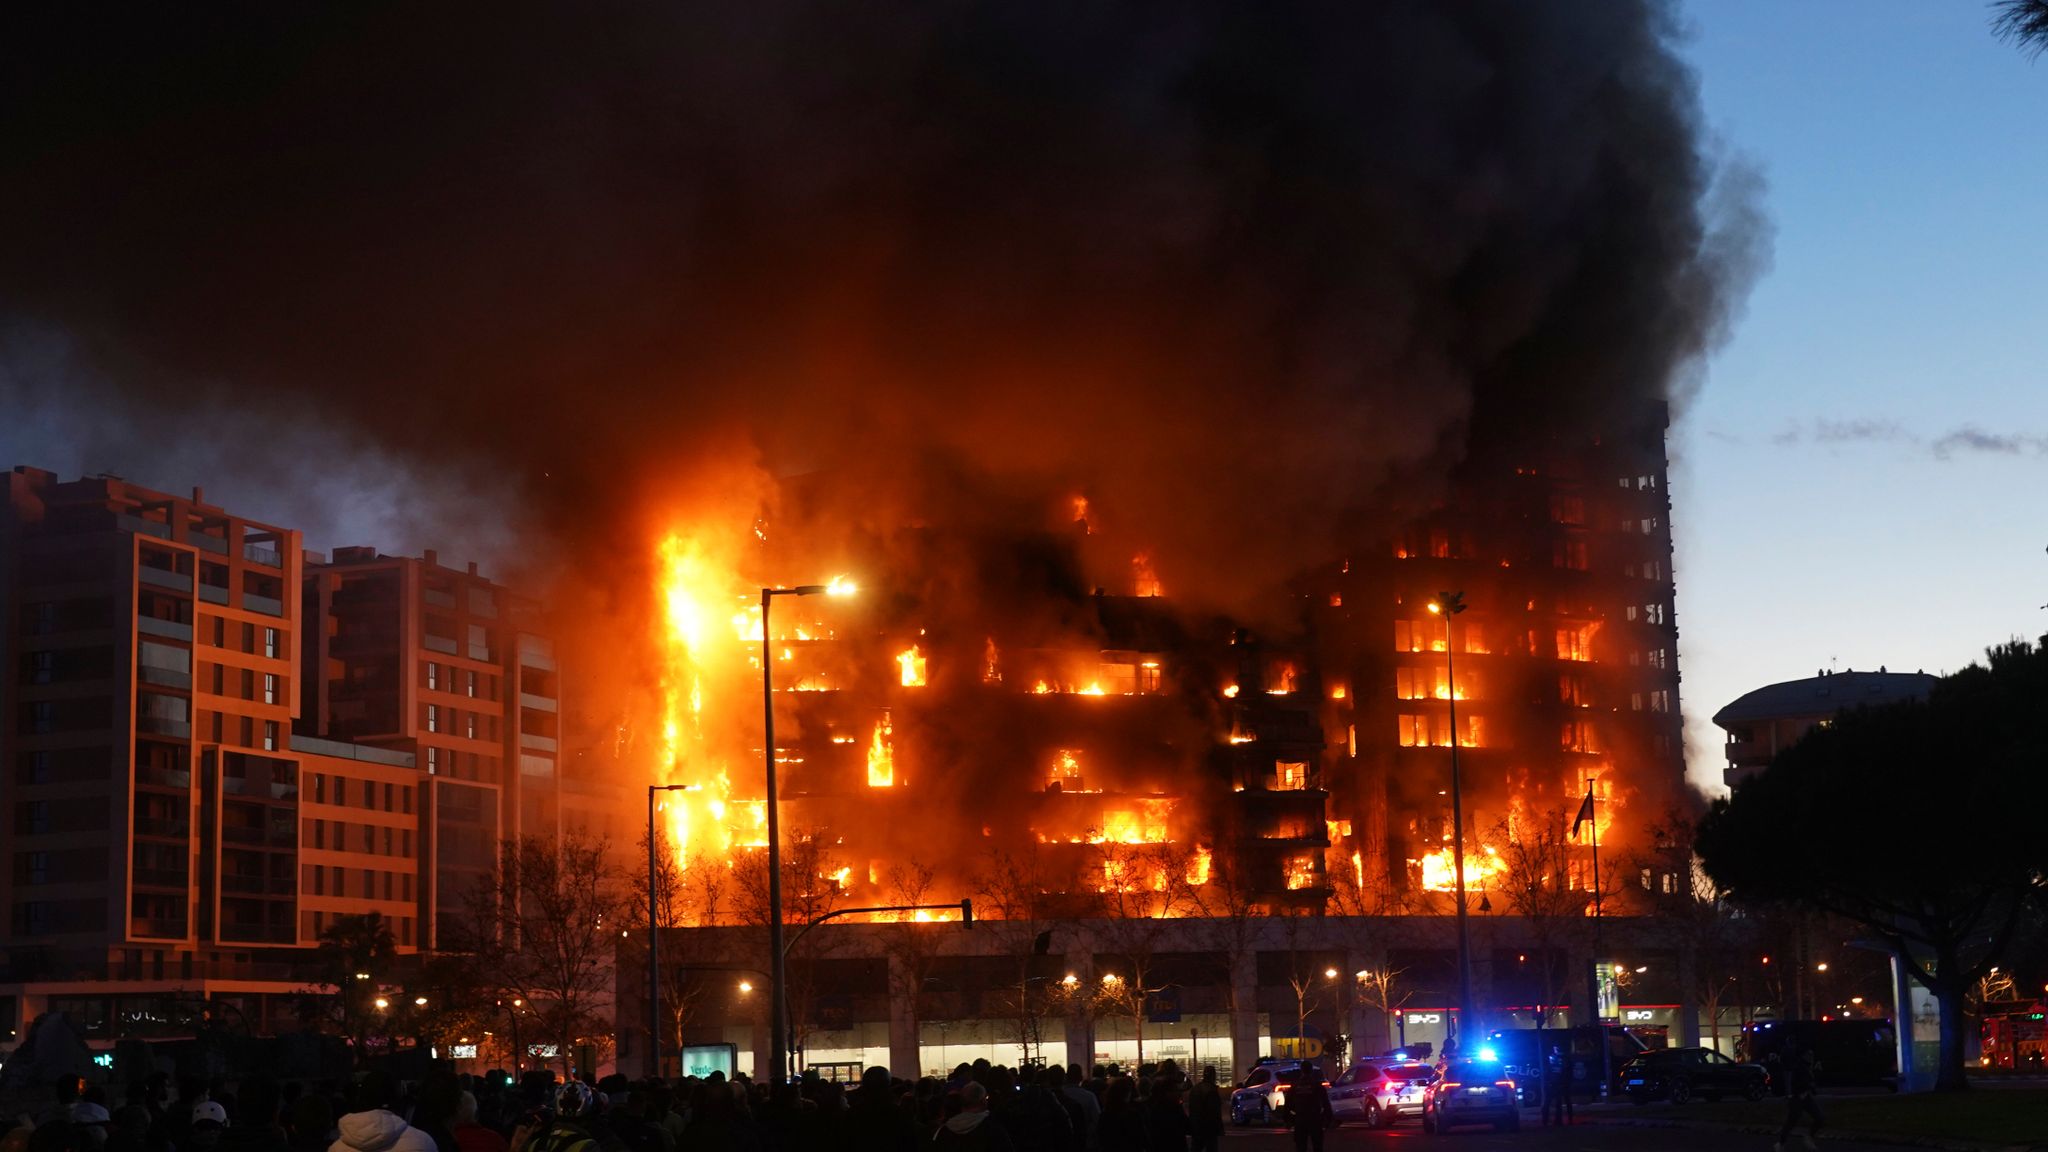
1581 1137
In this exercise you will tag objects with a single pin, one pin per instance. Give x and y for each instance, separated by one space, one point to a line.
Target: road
1582 1137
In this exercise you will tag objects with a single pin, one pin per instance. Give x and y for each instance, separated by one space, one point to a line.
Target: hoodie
973 1130
380 1130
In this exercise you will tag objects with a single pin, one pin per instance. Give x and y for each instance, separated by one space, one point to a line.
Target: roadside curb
1824 1138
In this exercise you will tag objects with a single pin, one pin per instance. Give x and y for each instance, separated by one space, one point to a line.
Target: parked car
1680 1074
1471 1092
1378 1091
1259 1097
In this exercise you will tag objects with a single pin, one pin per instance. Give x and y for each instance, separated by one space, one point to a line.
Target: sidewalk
1988 1119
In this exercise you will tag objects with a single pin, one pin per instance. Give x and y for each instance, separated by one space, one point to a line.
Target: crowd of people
978 1106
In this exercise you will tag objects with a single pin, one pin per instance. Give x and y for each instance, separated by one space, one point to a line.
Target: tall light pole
654 937
778 982
1447 605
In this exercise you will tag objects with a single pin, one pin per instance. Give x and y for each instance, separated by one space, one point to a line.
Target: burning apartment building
1148 371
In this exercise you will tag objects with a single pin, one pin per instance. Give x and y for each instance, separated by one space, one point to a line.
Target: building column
1688 998
1244 1008
906 1060
1079 1029
1358 1016
757 1029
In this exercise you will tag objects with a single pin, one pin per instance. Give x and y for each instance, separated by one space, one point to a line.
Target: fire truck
2015 1038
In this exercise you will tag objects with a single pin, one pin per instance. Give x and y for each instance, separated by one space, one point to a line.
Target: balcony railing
175 581
259 554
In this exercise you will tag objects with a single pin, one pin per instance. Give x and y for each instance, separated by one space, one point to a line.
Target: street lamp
778 983
1447 605
654 937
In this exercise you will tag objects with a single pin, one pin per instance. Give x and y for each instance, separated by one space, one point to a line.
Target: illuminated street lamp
778 983
654 937
1447 605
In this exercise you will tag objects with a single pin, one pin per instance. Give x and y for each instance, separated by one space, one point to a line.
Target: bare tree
1013 891
812 887
671 904
1143 887
544 928
1383 989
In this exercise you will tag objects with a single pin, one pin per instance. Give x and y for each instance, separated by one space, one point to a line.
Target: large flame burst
696 595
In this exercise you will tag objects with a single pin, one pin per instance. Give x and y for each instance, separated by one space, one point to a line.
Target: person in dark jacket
1122 1126
1308 1110
256 1126
1166 1122
973 1127
1557 1087
874 1119
1801 1096
1205 1112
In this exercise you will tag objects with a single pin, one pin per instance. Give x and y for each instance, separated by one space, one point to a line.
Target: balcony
537 743
175 581
157 726
267 605
213 594
443 644
168 629
259 554
538 703
213 544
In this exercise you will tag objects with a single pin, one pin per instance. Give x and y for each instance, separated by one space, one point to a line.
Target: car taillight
1509 1084
1449 1084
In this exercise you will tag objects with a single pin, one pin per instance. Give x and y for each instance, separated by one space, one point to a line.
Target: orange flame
882 756
910 667
1145 579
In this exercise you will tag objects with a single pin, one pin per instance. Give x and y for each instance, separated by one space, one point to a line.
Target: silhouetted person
1557 1087
1308 1110
1205 1112
1801 1096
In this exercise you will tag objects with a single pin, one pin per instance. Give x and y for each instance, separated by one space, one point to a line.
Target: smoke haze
1248 275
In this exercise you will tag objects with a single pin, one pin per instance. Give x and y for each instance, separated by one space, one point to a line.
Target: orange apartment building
214 744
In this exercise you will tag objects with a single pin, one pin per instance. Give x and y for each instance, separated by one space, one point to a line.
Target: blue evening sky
1831 506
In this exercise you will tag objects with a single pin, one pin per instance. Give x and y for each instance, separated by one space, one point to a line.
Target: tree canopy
1920 821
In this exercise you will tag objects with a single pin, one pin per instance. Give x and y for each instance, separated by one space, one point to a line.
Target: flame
1301 872
1066 767
1093 689
991 663
910 667
882 756
1041 688
1283 681
1230 691
842 876
1338 829
1358 868
1079 504
1142 575
1198 866
1440 874
1339 692
1145 824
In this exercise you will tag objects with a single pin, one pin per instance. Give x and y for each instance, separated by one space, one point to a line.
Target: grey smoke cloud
1247 273
1962 441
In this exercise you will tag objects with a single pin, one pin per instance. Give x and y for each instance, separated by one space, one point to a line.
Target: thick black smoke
1239 270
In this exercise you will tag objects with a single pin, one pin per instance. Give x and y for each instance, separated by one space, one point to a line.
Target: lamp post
1447 605
654 937
778 987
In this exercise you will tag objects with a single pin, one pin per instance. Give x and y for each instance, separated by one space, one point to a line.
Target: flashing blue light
1488 1054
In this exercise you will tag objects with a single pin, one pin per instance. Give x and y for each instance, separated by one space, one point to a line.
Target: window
270 735
470 685
35 767
433 676
1569 554
433 718
469 724
39 867
1654 613
319 788
42 667
1413 730
270 687
248 683
433 761
42 716
1660 700
1575 643
1290 775
270 643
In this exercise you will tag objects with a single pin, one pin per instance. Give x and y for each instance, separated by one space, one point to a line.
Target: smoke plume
1243 273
